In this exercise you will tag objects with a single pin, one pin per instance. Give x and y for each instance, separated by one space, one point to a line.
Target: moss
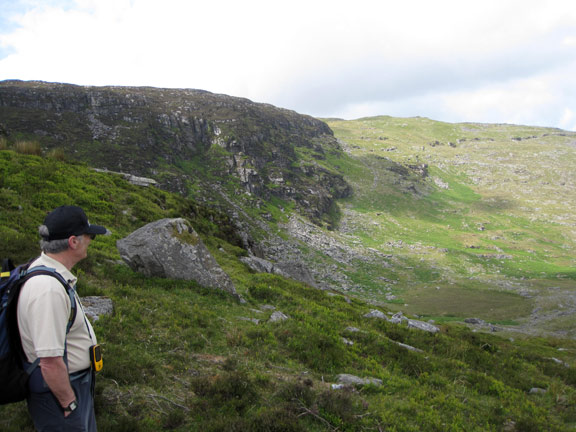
188 236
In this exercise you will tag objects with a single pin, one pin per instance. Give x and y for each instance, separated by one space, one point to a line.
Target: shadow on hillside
495 203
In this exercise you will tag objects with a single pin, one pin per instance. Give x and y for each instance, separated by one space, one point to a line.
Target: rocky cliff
190 141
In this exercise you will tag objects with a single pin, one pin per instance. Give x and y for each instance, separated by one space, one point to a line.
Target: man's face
82 243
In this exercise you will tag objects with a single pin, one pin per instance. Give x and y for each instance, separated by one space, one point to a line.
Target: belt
37 384
77 375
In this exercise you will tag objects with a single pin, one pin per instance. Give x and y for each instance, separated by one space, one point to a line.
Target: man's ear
73 242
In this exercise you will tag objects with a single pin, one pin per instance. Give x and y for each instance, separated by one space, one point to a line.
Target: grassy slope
489 232
178 357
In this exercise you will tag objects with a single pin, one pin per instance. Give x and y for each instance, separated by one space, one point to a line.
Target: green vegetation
466 213
180 357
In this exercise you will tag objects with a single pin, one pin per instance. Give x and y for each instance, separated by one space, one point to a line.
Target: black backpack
13 375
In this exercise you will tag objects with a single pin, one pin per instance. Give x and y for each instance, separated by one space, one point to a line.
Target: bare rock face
171 248
148 132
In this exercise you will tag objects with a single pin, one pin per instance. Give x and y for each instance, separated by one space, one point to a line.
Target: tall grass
58 154
28 147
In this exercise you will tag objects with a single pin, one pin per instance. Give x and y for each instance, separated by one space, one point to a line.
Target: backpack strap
49 271
32 366
7 267
27 273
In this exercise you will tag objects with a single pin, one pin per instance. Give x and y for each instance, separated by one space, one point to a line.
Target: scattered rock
94 306
495 256
289 269
475 321
408 347
398 318
560 362
376 314
259 265
481 323
278 316
421 325
353 380
509 426
135 180
440 183
296 270
254 320
536 390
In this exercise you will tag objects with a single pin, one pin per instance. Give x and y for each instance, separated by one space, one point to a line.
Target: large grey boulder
171 248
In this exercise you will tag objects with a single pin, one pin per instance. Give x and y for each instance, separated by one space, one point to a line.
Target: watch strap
70 408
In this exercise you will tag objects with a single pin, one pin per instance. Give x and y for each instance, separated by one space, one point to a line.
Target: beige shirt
43 314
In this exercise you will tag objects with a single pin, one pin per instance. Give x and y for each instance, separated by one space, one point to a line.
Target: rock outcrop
296 270
178 136
171 248
229 153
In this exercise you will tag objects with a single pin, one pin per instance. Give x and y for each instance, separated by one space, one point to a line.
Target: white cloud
568 120
495 60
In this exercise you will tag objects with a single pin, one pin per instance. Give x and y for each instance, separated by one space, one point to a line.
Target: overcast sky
502 61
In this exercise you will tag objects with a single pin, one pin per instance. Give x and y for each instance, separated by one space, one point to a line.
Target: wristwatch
70 408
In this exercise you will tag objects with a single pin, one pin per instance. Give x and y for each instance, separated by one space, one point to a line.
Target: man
61 397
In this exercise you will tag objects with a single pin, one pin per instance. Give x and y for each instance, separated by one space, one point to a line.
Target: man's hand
55 373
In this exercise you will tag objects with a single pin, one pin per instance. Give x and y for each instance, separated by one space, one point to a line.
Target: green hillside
179 357
445 221
473 219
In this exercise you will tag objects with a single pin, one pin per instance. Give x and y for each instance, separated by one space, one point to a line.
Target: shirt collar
58 266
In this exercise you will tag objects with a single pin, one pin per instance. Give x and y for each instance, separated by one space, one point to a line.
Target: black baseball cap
67 221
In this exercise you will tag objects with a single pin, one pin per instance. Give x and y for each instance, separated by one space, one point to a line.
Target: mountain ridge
148 130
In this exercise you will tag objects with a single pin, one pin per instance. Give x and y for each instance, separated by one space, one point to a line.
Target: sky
490 61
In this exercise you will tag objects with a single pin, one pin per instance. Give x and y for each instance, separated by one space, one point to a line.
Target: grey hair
51 246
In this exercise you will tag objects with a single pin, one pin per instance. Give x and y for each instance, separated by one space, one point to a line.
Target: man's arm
55 374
